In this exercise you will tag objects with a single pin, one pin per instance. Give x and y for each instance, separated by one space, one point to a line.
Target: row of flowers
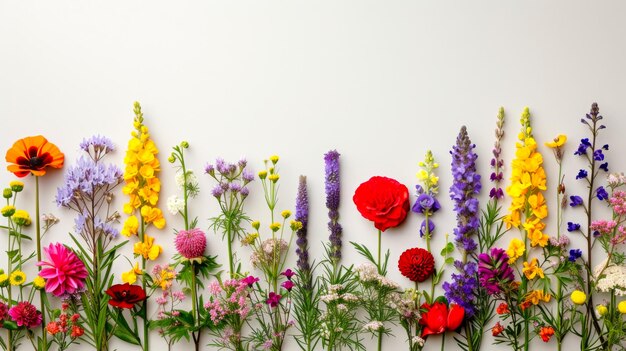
536 286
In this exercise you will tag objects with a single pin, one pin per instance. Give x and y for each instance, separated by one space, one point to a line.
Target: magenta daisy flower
190 243
64 273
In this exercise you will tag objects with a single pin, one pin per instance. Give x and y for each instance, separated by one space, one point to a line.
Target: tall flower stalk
88 191
465 187
142 187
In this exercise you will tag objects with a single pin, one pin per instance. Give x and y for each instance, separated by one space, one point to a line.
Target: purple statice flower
465 186
431 227
85 179
97 146
572 227
604 166
494 271
462 289
575 254
575 200
331 160
601 193
426 203
582 174
302 215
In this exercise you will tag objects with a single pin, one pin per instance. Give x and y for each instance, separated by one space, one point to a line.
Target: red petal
455 317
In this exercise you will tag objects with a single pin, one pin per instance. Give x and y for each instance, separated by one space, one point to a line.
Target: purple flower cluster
575 254
97 146
494 271
87 178
232 178
496 162
461 290
465 186
426 204
331 160
302 216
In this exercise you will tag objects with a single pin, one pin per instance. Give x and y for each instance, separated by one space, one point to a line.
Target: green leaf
122 330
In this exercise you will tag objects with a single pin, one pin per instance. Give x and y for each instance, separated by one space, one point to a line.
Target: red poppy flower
438 318
32 155
125 295
416 264
383 201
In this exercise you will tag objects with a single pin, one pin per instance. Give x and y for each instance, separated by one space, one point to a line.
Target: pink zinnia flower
65 273
4 312
25 315
190 243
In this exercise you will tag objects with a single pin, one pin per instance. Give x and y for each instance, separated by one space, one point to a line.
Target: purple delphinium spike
302 215
497 163
331 160
465 186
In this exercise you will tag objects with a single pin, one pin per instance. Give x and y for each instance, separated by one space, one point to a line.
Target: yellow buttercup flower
147 249
578 297
256 225
532 269
557 142
39 282
131 226
602 310
274 177
621 307
130 276
516 250
296 225
17 278
262 174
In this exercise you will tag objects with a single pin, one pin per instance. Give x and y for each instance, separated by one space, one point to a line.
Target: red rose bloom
125 295
416 264
383 201
437 318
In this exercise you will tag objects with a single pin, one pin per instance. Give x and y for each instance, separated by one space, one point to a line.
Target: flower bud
256 225
622 307
263 174
171 159
16 186
578 297
602 310
8 211
274 159
7 193
184 144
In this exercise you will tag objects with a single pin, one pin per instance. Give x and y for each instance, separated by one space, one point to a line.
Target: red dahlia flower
383 201
437 318
125 295
416 264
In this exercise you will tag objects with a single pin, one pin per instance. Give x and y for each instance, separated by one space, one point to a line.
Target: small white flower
373 326
180 179
175 204
418 340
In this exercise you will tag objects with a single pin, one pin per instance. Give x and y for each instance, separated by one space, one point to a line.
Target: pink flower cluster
618 202
603 226
231 298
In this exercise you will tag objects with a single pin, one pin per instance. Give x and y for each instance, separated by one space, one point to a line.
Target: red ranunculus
383 201
125 295
438 318
416 264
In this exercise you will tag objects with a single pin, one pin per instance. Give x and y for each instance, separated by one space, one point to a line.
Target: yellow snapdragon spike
147 248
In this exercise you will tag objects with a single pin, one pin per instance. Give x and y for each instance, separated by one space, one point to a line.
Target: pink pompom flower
190 243
25 315
64 273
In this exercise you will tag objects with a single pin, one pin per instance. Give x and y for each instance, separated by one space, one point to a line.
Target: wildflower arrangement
537 288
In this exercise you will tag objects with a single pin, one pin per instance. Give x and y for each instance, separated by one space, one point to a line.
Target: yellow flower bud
39 282
286 214
263 174
296 225
602 310
256 225
8 211
171 159
21 217
622 307
184 144
578 297
7 193
274 177
4 279
16 186
275 226
274 159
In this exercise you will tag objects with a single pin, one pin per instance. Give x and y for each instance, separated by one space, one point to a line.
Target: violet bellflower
331 160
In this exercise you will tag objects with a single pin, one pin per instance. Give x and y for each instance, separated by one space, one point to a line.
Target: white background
381 82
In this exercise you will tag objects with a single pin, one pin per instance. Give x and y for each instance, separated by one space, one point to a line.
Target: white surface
379 81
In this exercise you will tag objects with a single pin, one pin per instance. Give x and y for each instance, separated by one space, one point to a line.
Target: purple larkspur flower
217 191
601 193
598 155
302 215
247 176
604 166
462 287
575 254
582 147
332 186
572 227
494 271
426 203
496 193
86 178
582 174
431 227
575 200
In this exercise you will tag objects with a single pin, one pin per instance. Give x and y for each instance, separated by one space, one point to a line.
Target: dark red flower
125 295
416 264
437 318
497 329
383 201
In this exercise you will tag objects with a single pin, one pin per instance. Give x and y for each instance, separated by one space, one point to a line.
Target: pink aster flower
25 315
190 243
65 273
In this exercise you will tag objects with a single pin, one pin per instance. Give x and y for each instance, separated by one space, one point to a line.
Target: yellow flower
3 278
17 278
274 177
578 297
274 159
8 211
130 277
153 215
537 296
39 282
131 226
532 269
602 310
622 307
296 225
516 250
557 142
164 277
16 186
422 175
21 217
249 239
147 249
275 226
262 174
256 225
285 214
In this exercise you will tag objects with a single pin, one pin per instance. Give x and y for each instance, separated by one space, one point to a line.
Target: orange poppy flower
32 155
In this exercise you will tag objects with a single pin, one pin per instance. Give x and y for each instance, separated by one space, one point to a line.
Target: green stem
42 293
379 246
380 340
443 342
194 301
